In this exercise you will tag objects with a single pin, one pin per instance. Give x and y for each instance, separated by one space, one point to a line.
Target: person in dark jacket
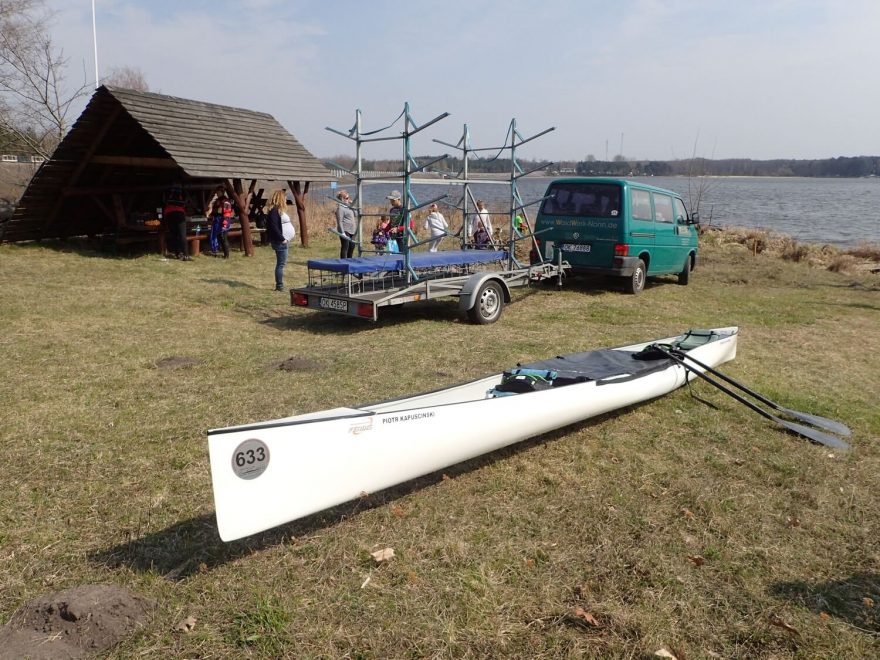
346 225
174 214
275 234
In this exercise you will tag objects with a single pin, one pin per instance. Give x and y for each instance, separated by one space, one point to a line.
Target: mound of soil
177 362
298 364
74 623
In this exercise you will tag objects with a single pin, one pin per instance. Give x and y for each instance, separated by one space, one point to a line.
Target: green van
617 227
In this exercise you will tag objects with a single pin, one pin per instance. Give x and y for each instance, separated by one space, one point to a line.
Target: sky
648 79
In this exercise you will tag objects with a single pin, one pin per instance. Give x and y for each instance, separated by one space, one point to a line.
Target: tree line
842 166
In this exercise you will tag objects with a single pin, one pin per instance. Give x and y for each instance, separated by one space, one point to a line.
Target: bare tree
699 188
34 100
127 77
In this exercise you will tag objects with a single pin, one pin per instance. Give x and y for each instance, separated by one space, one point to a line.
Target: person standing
484 218
174 214
225 224
382 235
346 225
395 215
437 225
222 215
473 222
275 223
481 237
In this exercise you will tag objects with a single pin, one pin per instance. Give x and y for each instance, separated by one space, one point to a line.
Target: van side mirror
694 219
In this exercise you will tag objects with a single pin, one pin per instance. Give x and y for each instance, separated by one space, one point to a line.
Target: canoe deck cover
597 365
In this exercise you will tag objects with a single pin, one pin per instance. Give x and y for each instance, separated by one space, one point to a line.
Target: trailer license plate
575 247
334 304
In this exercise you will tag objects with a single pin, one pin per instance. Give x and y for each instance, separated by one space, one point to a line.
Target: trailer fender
467 297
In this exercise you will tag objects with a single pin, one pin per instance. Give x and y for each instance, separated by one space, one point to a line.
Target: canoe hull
268 474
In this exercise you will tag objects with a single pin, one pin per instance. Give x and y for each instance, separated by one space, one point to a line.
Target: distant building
21 158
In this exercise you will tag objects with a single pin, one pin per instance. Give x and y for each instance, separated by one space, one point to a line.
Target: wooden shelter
128 147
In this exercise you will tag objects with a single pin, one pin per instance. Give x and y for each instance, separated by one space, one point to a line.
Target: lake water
842 212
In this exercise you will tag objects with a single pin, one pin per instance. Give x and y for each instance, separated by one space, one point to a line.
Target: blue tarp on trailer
417 260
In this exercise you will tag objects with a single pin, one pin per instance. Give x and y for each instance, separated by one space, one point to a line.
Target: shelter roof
134 144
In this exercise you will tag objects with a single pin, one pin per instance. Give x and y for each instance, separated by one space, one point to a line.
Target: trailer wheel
487 308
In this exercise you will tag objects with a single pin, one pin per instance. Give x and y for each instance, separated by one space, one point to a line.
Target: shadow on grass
194 546
854 600
442 309
233 284
595 285
89 247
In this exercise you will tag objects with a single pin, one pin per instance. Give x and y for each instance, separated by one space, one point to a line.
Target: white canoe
274 472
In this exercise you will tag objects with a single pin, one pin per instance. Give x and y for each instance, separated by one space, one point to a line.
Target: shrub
791 250
841 263
866 251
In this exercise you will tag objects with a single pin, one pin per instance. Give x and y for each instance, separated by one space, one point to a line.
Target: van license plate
575 247
334 304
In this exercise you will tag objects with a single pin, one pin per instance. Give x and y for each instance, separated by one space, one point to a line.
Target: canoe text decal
250 459
408 417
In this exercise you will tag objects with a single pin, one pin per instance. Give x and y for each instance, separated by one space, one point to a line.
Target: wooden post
234 190
299 197
118 211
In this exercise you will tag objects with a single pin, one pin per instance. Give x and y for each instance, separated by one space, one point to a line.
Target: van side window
662 208
681 215
641 205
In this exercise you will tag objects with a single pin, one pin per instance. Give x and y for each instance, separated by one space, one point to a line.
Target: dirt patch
74 623
298 364
177 362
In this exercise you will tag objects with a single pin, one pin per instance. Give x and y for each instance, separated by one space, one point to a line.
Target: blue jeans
280 260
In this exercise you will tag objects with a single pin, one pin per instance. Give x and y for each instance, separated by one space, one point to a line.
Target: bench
195 240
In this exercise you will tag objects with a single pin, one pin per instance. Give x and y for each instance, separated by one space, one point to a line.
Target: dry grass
860 259
114 367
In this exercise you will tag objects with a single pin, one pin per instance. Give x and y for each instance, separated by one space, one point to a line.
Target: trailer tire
488 304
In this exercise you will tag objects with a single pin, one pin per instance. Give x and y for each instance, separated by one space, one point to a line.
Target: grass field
687 523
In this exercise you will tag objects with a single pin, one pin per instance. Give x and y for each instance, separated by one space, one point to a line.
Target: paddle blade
813 434
821 422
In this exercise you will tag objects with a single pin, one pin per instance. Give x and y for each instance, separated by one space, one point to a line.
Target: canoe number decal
250 459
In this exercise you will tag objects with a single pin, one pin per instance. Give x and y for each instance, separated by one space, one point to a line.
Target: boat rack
481 279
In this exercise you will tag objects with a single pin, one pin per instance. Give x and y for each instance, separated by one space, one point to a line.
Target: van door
667 250
684 230
641 226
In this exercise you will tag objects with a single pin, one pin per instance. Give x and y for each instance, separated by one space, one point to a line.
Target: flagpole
95 41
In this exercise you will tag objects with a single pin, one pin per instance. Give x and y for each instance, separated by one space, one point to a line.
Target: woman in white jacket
437 225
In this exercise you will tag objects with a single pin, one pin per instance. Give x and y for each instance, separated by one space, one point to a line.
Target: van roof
626 183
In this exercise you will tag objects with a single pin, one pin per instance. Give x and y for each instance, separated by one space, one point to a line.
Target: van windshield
596 200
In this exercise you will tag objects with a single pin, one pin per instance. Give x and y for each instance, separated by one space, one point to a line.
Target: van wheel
684 277
636 282
487 308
